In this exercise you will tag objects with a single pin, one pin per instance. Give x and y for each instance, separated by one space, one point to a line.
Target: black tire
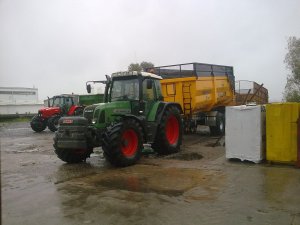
123 143
219 129
169 134
72 155
37 124
53 123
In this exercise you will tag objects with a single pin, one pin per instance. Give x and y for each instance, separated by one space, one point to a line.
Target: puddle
187 156
172 182
136 184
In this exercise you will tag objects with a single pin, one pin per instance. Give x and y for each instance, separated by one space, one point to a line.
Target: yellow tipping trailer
202 90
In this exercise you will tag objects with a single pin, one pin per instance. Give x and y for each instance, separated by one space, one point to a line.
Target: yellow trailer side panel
198 94
281 132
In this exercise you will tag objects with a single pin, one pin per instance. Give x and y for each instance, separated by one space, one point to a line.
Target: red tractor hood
49 111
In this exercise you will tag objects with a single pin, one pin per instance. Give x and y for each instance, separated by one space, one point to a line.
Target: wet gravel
195 186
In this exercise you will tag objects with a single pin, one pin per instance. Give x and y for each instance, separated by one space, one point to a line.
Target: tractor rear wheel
169 135
123 143
37 124
72 155
53 123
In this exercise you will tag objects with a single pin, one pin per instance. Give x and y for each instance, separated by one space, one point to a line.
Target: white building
18 100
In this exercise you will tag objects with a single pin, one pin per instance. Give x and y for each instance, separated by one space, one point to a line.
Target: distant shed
19 101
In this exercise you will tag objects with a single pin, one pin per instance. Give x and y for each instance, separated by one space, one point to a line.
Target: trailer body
202 90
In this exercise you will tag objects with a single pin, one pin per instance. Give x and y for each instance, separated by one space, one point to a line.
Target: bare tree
292 61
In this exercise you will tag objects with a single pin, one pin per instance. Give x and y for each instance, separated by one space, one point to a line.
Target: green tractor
133 114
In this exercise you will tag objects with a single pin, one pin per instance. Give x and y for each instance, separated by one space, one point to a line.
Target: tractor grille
89 112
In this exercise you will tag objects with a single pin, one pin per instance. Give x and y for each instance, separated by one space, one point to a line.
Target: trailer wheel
72 155
219 129
123 143
190 126
169 135
53 123
37 124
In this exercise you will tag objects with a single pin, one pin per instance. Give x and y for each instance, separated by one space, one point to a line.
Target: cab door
149 95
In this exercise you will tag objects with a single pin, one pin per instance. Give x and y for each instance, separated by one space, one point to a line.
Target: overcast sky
57 45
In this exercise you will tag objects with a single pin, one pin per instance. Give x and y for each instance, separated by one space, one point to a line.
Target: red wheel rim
172 130
129 143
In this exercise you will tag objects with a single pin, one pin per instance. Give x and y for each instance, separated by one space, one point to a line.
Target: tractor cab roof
135 73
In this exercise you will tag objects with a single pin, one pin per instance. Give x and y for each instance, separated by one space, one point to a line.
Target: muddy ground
196 186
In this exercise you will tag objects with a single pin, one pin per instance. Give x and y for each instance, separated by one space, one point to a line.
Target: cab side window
68 101
148 94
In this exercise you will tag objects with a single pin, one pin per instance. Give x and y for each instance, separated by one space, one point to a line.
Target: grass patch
15 120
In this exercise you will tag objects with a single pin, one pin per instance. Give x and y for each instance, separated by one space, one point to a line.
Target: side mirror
88 88
149 84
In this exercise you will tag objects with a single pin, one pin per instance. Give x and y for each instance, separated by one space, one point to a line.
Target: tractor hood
117 108
49 111
105 113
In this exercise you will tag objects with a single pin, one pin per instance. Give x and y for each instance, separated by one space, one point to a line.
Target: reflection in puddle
136 184
186 156
134 194
149 179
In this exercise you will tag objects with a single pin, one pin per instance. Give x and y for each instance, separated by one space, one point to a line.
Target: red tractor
58 106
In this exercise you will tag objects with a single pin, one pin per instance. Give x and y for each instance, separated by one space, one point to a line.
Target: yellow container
281 132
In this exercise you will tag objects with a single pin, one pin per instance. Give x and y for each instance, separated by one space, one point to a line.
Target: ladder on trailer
187 99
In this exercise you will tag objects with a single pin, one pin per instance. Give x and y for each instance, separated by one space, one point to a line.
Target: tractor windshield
123 90
57 101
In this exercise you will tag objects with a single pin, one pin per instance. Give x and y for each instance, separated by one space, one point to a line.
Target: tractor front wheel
123 143
53 123
169 135
37 124
72 155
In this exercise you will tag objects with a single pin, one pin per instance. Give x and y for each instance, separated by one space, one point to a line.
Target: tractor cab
141 89
126 93
134 86
61 100
124 86
64 102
